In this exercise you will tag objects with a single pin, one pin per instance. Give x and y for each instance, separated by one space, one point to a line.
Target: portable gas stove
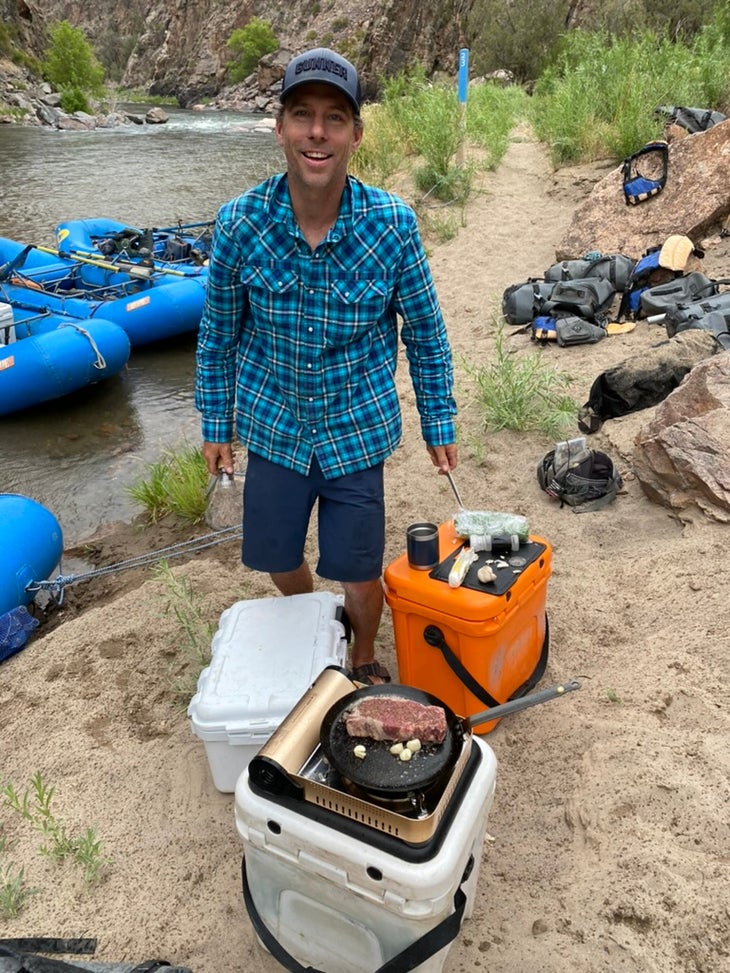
292 769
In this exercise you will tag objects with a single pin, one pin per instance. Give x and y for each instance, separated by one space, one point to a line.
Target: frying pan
384 775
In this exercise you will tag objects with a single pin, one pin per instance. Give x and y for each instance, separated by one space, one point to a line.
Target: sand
611 820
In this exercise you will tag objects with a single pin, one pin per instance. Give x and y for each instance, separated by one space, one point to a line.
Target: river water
78 454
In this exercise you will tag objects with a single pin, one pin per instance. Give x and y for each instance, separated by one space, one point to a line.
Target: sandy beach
611 821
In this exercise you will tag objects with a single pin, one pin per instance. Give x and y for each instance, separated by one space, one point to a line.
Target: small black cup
422 545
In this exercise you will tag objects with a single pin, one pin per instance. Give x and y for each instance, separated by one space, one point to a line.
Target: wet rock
156 116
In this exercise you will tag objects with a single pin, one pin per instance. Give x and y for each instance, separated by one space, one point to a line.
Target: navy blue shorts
277 506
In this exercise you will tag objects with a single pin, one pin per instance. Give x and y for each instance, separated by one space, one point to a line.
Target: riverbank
610 817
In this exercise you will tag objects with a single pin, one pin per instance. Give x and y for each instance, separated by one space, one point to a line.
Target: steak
396 718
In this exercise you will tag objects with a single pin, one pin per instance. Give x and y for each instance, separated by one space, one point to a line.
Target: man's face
318 135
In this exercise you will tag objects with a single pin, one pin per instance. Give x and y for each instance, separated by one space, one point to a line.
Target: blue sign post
463 74
462 91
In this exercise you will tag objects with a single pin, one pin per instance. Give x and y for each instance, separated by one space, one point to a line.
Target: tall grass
522 392
382 152
193 634
491 114
599 99
174 484
419 127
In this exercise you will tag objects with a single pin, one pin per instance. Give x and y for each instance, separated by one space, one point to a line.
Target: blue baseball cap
325 67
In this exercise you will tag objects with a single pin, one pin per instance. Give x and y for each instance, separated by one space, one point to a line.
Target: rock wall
181 44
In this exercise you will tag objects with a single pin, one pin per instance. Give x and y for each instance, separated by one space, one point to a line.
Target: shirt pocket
356 308
268 287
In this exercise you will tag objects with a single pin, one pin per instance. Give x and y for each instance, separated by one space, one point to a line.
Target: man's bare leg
364 608
298 582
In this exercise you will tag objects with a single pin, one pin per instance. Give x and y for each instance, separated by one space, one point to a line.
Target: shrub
73 99
250 44
522 392
70 64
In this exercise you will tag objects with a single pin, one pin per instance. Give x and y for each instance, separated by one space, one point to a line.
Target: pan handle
524 702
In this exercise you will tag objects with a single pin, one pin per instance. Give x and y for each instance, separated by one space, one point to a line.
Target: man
309 273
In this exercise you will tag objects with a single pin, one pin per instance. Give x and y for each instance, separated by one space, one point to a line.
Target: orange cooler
494 643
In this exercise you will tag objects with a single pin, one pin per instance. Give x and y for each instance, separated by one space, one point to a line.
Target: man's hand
444 457
218 456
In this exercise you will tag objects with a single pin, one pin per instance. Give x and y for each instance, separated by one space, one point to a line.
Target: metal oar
123 267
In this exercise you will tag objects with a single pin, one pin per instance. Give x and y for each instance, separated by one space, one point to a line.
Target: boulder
682 456
156 116
694 202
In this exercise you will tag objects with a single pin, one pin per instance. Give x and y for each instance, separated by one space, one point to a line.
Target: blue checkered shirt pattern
302 344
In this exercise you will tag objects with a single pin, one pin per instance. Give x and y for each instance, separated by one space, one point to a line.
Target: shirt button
311 292
309 364
310 330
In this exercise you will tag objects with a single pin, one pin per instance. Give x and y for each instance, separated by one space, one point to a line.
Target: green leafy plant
195 632
598 97
14 891
382 151
35 806
175 484
71 67
522 392
249 44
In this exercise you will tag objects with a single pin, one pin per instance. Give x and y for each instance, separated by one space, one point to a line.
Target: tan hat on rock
675 252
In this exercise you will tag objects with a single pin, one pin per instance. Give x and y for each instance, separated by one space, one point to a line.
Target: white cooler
340 899
265 655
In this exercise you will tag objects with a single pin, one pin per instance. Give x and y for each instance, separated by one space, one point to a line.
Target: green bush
598 99
70 64
491 113
520 36
73 99
250 44
522 392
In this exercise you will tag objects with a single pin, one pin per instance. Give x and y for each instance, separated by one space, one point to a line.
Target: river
77 455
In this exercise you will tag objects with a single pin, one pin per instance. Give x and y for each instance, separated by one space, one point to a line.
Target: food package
464 560
481 523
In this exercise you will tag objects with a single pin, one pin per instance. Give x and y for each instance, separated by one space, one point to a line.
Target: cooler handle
408 959
433 636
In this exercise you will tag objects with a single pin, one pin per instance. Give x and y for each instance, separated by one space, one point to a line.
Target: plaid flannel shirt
302 345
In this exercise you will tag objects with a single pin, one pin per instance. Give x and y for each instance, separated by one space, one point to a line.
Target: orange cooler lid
406 584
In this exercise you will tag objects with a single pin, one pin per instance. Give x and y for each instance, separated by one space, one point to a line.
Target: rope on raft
192 546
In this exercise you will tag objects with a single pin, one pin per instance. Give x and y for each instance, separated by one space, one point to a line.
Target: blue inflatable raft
150 304
44 355
32 545
184 247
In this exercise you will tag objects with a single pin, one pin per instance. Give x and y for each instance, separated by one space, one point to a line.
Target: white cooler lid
266 654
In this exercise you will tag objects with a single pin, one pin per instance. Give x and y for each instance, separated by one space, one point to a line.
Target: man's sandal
365 673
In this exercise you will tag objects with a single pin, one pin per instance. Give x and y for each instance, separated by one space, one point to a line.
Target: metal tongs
450 478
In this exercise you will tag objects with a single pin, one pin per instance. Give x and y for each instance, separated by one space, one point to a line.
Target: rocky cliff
178 47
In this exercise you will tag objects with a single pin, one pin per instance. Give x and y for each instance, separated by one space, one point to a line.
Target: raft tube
185 247
56 356
148 310
32 544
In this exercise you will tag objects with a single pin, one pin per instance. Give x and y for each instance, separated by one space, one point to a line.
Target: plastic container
265 654
500 638
345 904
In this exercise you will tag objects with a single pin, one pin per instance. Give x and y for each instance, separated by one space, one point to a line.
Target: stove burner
292 768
